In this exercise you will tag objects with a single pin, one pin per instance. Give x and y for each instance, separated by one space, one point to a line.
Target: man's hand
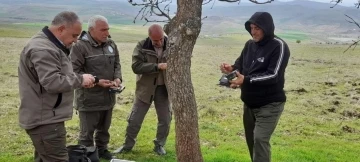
238 81
105 83
226 68
116 82
162 66
88 81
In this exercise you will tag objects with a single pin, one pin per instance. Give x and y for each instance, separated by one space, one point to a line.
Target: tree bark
183 31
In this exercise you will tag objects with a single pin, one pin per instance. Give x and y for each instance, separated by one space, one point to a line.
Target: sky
344 2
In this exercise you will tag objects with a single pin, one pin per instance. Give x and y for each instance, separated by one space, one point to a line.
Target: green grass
120 33
293 36
307 132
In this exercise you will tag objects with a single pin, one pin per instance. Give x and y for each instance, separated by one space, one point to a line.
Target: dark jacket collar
149 46
54 40
264 21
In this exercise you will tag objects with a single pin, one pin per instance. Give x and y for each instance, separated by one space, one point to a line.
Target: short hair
67 18
94 19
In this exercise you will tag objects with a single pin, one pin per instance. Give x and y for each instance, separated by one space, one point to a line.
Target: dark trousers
98 123
49 142
138 113
259 125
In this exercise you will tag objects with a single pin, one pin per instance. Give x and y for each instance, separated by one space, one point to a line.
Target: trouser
97 122
259 124
138 113
49 142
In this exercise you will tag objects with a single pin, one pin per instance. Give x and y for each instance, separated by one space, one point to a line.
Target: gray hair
94 19
65 18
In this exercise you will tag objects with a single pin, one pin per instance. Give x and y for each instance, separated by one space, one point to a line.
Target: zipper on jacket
253 61
53 111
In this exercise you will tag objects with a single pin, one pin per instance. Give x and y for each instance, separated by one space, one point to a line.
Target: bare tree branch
352 21
336 2
256 2
152 7
229 0
213 5
147 21
354 44
357 5
253 1
161 8
207 1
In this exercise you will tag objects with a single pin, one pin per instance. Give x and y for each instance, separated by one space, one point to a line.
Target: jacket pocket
49 100
95 64
93 97
111 59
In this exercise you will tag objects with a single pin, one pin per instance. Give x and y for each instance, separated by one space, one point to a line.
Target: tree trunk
183 31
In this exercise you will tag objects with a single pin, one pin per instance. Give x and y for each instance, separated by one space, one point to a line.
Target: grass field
320 122
293 36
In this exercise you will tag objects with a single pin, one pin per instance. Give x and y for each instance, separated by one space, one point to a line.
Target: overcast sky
345 2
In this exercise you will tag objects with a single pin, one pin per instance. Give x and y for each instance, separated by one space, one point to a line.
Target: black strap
96 79
58 101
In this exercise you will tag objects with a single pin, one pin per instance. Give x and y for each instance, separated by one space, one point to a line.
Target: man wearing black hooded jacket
261 69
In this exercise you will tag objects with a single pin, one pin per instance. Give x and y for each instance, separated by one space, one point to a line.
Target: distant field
121 33
320 122
293 36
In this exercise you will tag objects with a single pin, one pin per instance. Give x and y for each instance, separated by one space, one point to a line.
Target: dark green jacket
144 63
102 61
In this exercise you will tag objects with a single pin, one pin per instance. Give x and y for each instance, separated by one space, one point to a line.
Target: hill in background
299 17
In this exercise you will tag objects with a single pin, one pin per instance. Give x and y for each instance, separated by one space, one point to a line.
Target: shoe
121 149
105 154
159 150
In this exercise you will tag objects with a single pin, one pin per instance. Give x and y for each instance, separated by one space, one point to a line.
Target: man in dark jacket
46 83
261 69
96 54
148 62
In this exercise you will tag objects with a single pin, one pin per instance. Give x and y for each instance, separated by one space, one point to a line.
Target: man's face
257 33
157 39
100 32
69 34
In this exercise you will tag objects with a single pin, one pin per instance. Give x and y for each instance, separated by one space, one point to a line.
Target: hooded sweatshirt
263 64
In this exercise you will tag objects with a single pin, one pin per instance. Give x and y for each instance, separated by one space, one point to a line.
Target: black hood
264 21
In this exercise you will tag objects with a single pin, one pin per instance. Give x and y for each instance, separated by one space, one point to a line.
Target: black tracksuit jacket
263 64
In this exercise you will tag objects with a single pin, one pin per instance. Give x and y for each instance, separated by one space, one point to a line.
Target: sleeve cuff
79 76
156 68
246 80
234 67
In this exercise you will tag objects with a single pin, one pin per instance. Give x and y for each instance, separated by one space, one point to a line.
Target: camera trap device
117 89
231 75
